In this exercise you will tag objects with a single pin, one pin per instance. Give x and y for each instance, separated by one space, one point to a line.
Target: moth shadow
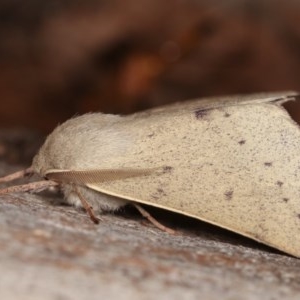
184 225
188 226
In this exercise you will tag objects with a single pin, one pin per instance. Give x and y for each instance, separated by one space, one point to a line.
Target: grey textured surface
50 251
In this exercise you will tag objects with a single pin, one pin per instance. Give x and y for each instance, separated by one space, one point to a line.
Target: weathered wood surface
51 251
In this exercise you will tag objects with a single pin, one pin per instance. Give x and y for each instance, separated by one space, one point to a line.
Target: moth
230 161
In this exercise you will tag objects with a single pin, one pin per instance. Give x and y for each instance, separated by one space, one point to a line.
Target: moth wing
222 101
236 166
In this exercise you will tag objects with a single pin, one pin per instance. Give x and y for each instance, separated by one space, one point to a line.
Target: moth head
39 164
39 167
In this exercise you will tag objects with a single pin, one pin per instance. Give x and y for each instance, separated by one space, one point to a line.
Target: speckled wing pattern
231 162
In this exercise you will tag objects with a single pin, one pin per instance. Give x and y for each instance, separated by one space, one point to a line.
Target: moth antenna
157 224
29 187
17 175
87 206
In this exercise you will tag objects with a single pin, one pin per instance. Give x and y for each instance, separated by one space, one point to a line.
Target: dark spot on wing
268 164
150 135
242 142
153 196
227 115
158 194
161 192
167 169
228 195
201 113
285 199
279 183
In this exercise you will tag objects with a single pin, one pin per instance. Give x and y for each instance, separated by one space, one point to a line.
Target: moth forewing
223 172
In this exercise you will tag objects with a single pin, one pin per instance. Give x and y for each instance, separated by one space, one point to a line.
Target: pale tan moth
230 161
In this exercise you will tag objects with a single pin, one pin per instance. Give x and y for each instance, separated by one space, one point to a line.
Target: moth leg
17 175
87 206
36 187
145 214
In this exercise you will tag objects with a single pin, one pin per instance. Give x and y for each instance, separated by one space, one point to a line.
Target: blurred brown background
59 58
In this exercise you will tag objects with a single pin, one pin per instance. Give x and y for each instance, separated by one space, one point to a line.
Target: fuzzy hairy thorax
84 142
